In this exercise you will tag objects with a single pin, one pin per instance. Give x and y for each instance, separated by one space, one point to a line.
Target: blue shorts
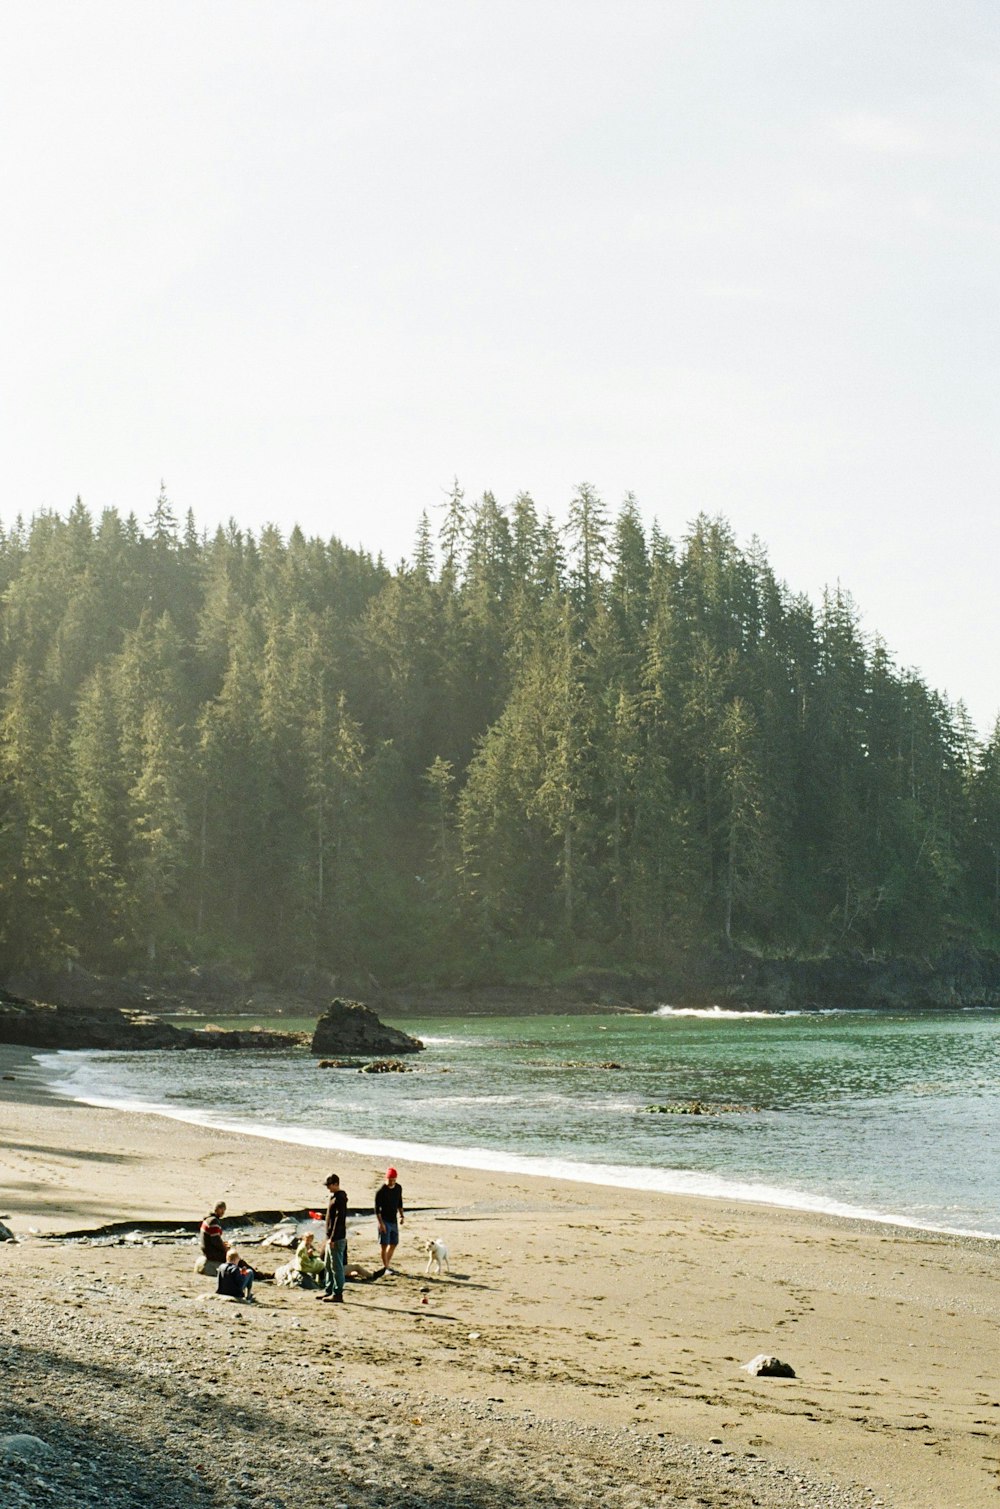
390 1236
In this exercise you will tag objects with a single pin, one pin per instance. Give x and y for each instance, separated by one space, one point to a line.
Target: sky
310 261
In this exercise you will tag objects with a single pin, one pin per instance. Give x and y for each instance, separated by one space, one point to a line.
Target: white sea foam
702 1184
723 1013
445 1101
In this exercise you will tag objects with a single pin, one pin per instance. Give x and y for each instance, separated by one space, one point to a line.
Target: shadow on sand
118 1440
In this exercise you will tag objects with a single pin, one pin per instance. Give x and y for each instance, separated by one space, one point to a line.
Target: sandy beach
586 1348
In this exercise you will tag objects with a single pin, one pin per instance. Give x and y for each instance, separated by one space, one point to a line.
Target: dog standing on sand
437 1256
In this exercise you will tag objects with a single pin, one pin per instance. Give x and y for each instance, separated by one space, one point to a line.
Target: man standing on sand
336 1242
389 1214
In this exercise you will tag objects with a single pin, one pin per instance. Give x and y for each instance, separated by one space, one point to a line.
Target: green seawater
889 1116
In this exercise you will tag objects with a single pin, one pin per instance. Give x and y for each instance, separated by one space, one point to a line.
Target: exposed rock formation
243 1037
703 1108
347 1029
37 1024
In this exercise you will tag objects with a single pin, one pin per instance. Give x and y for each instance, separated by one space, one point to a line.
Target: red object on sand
315 1215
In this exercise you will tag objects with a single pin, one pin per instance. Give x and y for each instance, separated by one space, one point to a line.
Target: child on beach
235 1277
310 1263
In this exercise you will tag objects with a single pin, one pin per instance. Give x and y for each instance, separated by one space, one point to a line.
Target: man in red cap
389 1214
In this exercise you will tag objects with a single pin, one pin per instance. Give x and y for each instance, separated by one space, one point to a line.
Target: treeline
527 747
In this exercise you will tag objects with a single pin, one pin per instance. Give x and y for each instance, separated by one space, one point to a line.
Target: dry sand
585 1350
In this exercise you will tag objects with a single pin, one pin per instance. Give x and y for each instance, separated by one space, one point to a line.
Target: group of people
235 1277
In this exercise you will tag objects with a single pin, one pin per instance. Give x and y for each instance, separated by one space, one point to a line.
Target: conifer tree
159 821
589 744
101 817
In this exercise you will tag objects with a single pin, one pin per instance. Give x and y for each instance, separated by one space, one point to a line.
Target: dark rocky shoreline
962 978
346 1028
959 979
48 1024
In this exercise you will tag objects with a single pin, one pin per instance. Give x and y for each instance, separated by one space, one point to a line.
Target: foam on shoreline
699 1184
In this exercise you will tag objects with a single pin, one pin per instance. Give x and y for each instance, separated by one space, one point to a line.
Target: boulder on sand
765 1366
347 1029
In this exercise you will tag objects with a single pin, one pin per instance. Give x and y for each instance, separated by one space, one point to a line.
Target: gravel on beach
126 1389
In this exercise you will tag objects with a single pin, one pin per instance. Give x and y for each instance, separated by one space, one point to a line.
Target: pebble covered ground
118 1387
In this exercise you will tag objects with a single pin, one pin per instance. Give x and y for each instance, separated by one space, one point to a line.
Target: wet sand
586 1348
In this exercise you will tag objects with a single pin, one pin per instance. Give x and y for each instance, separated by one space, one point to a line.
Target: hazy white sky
309 260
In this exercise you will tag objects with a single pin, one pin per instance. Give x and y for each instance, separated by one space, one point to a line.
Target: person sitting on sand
309 1261
235 1277
211 1241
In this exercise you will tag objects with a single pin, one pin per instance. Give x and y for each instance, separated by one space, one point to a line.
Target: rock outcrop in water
347 1029
703 1108
39 1024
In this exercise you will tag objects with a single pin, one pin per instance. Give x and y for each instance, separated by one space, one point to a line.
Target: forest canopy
525 748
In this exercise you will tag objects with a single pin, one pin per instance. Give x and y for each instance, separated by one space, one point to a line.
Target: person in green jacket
309 1261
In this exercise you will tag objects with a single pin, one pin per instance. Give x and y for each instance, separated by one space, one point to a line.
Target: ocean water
889 1117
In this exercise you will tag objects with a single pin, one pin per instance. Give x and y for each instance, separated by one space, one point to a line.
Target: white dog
437 1256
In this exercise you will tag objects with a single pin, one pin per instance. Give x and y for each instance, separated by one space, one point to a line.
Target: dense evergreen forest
526 749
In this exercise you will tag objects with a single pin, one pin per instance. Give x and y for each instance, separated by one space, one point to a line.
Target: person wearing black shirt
336 1242
235 1278
389 1214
